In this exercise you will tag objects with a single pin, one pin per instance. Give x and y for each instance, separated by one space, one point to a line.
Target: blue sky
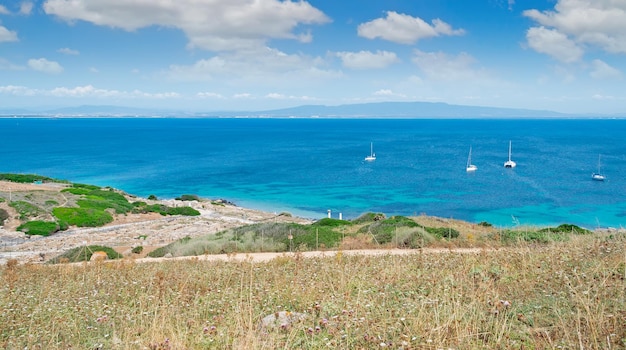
209 55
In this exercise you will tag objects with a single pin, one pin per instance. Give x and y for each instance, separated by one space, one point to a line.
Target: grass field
558 295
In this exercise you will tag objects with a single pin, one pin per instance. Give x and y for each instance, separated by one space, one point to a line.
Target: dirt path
264 257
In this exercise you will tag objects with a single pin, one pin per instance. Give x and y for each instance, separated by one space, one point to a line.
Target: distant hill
408 110
361 110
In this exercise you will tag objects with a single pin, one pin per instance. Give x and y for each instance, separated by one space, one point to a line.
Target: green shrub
567 228
82 217
87 187
26 209
77 191
26 178
152 197
444 232
188 197
369 217
137 250
329 222
384 231
187 211
38 228
84 253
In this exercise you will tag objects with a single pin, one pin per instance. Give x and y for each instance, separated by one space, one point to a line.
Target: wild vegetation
560 295
82 205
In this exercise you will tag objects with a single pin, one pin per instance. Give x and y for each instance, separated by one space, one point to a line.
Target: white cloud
7 35
367 59
440 66
68 51
17 90
600 23
601 70
511 3
3 10
45 66
276 96
218 25
209 95
388 93
405 29
553 43
244 95
267 66
87 91
94 70
26 8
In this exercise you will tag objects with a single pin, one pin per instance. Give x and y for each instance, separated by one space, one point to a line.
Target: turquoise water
308 166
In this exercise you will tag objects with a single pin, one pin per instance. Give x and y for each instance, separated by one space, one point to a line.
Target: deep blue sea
308 166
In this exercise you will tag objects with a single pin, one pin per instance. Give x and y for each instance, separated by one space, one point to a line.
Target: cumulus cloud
367 59
91 91
601 70
3 10
68 51
405 29
45 66
17 90
218 25
7 35
553 43
26 8
441 66
266 66
598 23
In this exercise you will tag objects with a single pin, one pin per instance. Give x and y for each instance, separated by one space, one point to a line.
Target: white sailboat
470 167
598 176
509 163
372 155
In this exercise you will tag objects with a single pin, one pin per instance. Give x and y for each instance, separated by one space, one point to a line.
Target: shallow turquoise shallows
310 166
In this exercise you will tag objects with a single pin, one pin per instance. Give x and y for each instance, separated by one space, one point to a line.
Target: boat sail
509 163
598 175
470 167
372 155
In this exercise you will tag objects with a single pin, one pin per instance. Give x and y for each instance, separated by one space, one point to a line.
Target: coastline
130 230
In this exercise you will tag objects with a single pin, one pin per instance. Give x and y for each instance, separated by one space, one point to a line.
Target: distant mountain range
361 110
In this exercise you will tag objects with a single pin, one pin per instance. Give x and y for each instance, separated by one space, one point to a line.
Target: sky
209 55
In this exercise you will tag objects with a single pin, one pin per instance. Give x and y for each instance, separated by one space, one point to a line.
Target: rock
98 256
282 319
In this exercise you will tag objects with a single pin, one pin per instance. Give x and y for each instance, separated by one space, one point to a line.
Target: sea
315 167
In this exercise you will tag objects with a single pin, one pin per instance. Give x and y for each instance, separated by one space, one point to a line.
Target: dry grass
562 295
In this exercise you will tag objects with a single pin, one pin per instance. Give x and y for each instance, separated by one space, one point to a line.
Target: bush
82 217
369 217
76 191
188 197
443 232
328 222
26 178
152 197
384 231
566 228
25 209
137 250
84 253
39 228
187 211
